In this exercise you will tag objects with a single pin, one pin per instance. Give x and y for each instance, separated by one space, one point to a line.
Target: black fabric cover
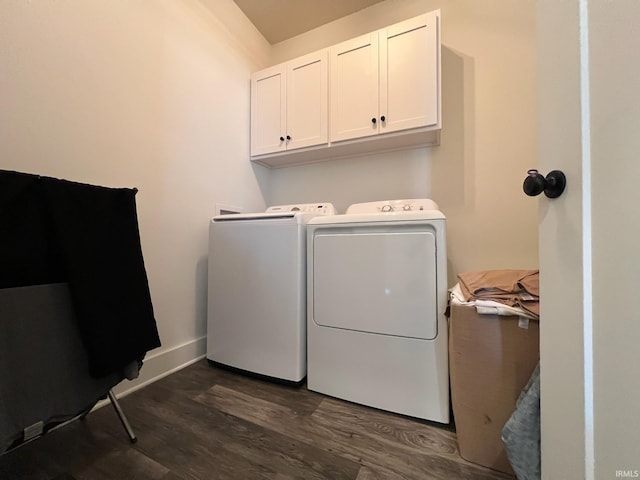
26 257
55 230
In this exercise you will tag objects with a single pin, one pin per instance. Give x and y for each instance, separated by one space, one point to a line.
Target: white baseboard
160 364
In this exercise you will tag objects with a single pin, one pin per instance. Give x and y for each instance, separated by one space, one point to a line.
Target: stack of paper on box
501 292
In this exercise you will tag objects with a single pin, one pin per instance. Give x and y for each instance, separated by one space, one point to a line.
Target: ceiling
280 20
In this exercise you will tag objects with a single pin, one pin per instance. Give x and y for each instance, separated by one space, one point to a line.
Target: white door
589 110
307 86
268 110
354 88
409 74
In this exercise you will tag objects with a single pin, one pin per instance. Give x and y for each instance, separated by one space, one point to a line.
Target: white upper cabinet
386 81
377 92
268 110
410 74
307 98
354 88
289 105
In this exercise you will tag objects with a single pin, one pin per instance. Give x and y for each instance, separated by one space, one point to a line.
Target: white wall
155 95
147 94
488 139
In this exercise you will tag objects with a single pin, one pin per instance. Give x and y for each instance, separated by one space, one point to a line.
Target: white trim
587 280
160 364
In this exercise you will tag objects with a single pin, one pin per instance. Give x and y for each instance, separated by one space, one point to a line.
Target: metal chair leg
122 417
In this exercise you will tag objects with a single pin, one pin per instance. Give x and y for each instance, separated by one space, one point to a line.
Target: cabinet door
268 110
409 74
307 86
354 88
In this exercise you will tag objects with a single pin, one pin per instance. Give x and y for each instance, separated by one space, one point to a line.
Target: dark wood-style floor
207 423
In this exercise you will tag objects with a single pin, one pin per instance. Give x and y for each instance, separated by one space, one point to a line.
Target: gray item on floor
521 433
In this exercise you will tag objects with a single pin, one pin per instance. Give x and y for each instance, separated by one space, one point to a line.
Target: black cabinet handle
383 118
288 137
282 139
373 120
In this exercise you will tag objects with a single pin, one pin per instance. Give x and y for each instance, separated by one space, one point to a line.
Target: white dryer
256 316
377 294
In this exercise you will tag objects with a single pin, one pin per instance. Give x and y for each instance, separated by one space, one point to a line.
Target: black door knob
288 137
552 185
373 120
383 118
282 139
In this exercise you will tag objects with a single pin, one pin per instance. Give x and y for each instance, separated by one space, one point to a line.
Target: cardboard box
491 359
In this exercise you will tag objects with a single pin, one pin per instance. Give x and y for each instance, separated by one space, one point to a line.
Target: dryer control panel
317 208
389 206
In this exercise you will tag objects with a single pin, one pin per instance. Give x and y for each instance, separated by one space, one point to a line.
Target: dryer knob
387 208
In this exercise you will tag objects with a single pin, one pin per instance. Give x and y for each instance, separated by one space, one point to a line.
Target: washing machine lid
239 217
299 213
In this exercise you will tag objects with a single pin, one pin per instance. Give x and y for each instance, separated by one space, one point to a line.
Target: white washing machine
377 294
256 316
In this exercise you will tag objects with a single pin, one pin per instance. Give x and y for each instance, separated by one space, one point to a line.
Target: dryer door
376 280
